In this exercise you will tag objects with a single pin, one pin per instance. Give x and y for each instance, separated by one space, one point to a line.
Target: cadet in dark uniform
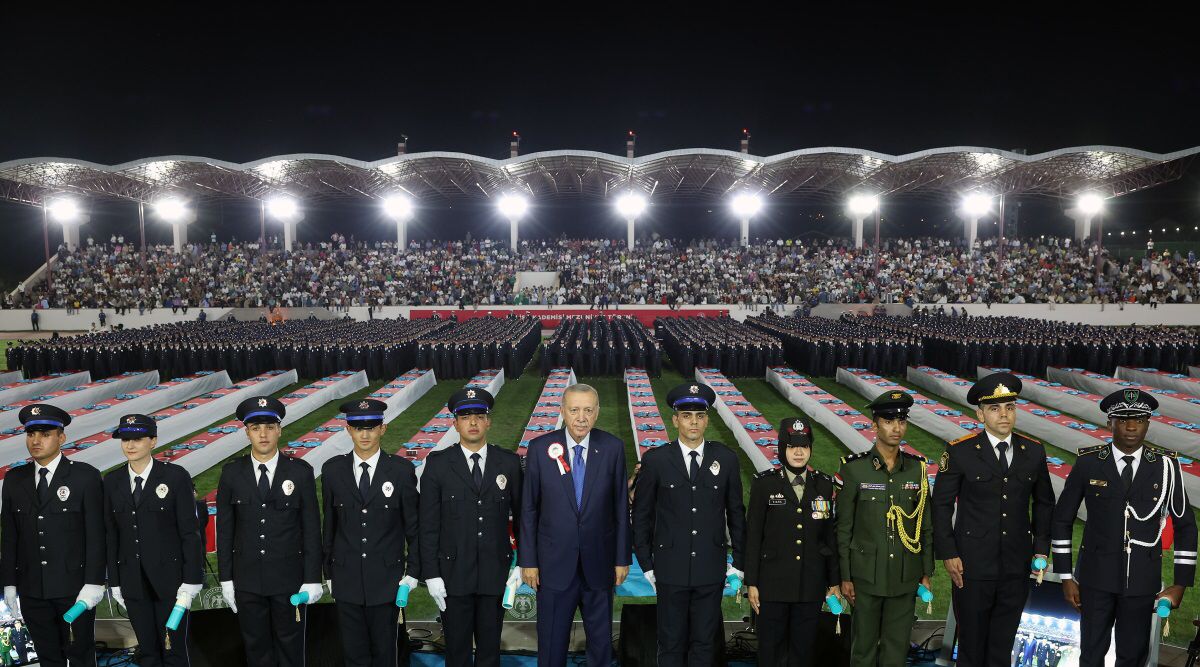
268 539
370 499
885 537
1129 488
997 479
52 541
155 552
687 500
791 550
467 562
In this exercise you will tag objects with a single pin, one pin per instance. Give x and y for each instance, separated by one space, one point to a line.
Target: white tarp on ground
844 432
756 456
923 418
197 461
1086 405
73 400
1170 405
9 377
450 437
1149 376
1057 434
108 453
24 391
13 448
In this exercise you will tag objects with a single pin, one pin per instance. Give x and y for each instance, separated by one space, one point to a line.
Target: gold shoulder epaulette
1094 449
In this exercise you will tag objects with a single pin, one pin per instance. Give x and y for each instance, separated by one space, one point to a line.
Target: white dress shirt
570 453
52 467
687 455
372 464
1137 459
145 475
271 466
482 458
1008 453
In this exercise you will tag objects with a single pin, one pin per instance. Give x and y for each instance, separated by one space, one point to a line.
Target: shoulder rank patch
962 439
855 457
765 473
1095 449
1025 437
1160 451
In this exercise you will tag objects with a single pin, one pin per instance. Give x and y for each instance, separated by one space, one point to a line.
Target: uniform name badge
64 493
161 491
388 489
289 487
501 481
776 499
715 468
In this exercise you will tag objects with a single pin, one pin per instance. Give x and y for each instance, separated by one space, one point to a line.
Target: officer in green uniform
885 537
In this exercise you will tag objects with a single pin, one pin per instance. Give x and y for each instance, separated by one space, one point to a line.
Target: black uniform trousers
988 613
1099 611
786 633
477 617
370 634
272 636
688 621
52 636
149 620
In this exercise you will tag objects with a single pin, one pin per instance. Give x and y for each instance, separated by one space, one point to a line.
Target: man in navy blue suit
576 541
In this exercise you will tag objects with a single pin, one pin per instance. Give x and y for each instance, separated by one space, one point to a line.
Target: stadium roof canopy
697 174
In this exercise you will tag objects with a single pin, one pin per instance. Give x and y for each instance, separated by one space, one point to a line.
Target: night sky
241 85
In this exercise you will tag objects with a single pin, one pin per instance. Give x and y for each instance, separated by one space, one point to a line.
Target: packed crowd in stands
770 273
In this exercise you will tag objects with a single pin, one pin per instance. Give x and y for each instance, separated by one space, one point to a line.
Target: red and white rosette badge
556 452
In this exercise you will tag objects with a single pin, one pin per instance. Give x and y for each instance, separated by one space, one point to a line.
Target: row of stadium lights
512 206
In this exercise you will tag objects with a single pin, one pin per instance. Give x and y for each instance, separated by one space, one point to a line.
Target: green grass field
517 400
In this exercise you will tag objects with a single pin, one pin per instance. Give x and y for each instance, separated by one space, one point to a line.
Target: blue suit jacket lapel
593 465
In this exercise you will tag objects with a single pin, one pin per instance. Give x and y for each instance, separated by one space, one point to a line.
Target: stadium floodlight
863 205
631 205
170 209
746 205
398 207
977 204
283 208
63 210
1090 203
513 206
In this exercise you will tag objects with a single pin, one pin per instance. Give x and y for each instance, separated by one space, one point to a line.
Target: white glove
410 582
13 602
329 586
437 591
90 595
649 574
514 578
315 591
115 593
227 593
186 592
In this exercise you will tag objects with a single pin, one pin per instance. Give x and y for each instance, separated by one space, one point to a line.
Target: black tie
264 486
695 467
1003 449
1127 472
476 472
364 480
43 489
137 490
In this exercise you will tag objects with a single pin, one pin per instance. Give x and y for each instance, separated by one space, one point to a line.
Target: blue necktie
578 468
